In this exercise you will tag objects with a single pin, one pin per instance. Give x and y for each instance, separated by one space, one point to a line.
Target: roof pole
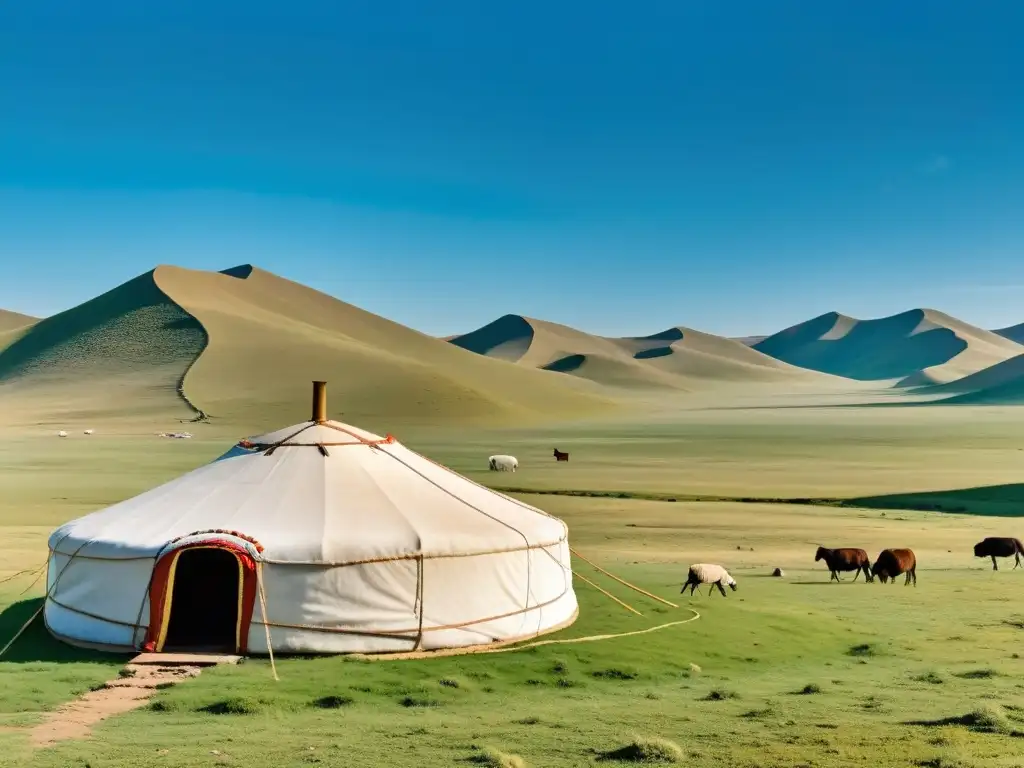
319 401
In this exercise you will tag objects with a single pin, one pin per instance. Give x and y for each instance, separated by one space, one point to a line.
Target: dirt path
137 683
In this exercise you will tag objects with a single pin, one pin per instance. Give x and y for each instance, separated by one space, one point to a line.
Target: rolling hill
268 337
676 359
1000 384
10 321
242 346
920 347
122 352
1013 333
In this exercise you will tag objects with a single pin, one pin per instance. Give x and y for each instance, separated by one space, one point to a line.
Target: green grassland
791 671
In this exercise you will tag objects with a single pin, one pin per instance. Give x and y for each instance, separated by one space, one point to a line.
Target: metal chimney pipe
319 401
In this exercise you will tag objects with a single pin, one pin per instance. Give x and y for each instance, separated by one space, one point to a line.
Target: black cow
998 546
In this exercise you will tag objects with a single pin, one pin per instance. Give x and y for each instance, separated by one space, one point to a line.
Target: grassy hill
915 348
677 359
121 354
243 345
268 337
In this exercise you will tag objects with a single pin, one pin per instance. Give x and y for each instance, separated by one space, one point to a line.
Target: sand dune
1012 332
749 340
1002 383
268 337
675 359
916 348
10 321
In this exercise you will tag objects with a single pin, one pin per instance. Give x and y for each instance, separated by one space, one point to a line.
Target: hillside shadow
832 343
991 500
36 644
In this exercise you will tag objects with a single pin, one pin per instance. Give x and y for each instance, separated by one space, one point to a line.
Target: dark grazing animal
843 560
892 562
998 546
559 456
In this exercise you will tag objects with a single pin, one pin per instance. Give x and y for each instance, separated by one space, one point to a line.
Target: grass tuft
644 749
238 705
932 676
978 674
809 689
333 702
493 758
721 694
419 701
863 649
560 667
532 720
616 673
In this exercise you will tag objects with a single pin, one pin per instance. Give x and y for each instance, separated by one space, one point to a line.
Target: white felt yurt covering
357 543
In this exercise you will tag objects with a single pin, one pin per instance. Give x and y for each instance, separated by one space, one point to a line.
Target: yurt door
202 600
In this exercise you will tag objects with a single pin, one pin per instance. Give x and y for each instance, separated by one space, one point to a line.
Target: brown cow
995 546
559 456
845 560
892 562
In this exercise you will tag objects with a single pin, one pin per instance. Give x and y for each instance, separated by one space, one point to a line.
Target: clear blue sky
736 167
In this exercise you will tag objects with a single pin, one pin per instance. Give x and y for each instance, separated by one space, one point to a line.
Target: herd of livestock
891 563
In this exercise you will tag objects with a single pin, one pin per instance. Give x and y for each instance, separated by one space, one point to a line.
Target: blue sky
735 167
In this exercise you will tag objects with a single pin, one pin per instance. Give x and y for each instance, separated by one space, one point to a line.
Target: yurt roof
318 492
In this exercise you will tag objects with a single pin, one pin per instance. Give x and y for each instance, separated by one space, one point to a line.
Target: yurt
317 538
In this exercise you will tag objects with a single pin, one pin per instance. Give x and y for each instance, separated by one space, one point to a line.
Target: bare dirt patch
137 683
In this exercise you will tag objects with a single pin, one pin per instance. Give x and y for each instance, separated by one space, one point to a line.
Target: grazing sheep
995 546
892 562
503 463
88 432
839 560
62 433
707 573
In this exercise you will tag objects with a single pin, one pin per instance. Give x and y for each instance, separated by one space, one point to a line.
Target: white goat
502 463
62 433
707 573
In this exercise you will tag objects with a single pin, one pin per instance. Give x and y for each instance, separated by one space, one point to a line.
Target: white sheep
707 573
88 432
502 463
62 433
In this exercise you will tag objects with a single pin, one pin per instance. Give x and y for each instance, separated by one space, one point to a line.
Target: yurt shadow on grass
35 644
317 538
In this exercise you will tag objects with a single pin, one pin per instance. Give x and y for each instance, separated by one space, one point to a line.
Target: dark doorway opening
204 601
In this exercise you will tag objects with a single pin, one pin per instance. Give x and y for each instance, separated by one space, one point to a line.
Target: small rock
778 572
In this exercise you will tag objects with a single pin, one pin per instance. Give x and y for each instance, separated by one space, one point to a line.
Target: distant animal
502 463
62 433
892 562
88 432
779 573
708 573
559 456
844 560
997 546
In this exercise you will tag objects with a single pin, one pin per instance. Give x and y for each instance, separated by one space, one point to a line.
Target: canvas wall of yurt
323 537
